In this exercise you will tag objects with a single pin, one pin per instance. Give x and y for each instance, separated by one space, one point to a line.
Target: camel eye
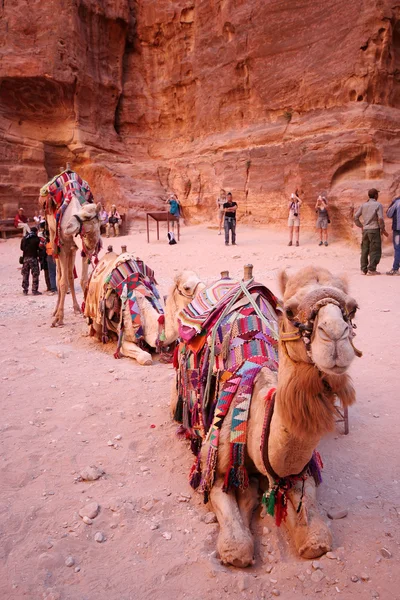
186 288
289 313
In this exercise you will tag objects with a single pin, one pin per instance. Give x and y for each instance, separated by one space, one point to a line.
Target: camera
295 214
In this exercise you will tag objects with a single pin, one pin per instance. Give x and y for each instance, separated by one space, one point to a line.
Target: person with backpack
393 212
31 246
114 219
294 218
174 208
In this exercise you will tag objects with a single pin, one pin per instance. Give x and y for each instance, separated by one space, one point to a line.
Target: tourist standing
321 208
114 219
393 212
21 222
52 268
174 208
373 226
220 207
31 245
230 209
294 218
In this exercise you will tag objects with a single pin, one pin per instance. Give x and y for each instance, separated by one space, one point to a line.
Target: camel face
188 285
331 348
319 301
86 222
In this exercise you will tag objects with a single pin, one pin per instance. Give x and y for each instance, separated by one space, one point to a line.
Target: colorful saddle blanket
130 278
230 332
61 189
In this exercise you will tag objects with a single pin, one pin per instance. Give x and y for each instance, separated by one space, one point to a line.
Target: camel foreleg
62 284
235 541
71 263
133 351
248 500
311 534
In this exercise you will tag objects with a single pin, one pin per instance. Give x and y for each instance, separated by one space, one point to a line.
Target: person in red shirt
21 222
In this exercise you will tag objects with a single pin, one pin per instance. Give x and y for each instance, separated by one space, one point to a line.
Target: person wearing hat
31 246
373 226
21 222
114 220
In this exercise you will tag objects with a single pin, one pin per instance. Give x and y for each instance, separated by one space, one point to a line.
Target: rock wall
260 98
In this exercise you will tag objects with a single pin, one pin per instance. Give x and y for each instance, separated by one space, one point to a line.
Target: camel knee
130 350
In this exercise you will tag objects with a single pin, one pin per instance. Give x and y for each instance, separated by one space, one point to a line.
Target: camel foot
77 310
238 552
145 361
57 323
313 541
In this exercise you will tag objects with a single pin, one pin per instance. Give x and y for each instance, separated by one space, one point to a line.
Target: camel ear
73 226
283 279
98 208
351 306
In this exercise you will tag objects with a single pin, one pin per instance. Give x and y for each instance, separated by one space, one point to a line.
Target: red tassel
96 260
175 361
280 507
161 319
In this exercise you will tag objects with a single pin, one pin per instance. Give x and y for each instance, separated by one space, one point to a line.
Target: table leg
158 230
179 230
148 235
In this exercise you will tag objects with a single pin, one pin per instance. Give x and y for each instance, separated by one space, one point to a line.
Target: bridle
304 320
82 221
81 232
190 296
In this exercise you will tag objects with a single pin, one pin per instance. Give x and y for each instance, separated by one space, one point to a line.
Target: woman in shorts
294 218
321 208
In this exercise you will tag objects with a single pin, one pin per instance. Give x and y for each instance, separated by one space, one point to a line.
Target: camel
79 228
110 316
315 349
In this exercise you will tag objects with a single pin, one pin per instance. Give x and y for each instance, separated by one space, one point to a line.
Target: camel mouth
335 370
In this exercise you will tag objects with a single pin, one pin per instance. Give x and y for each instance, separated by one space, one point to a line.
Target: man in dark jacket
31 246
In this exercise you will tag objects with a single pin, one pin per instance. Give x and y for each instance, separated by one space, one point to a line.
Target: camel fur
306 389
70 241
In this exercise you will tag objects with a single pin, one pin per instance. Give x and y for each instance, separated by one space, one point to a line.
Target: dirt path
64 399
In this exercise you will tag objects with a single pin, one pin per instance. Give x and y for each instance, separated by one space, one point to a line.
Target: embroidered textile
61 189
232 348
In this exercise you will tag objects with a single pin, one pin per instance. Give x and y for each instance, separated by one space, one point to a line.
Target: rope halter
307 312
190 296
81 232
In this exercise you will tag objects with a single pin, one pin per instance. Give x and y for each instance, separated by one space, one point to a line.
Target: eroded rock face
191 96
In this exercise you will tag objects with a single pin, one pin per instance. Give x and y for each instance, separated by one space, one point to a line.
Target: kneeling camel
290 405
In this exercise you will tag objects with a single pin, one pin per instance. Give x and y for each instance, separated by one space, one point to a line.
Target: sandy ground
64 398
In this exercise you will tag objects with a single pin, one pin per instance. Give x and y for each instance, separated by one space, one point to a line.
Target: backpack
171 238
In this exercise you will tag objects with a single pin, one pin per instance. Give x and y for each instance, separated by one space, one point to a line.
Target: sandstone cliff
258 97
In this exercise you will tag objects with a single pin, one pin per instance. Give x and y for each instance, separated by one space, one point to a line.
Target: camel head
86 223
316 350
320 303
186 285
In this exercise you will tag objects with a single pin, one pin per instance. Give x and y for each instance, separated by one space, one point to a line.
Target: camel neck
288 452
171 326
